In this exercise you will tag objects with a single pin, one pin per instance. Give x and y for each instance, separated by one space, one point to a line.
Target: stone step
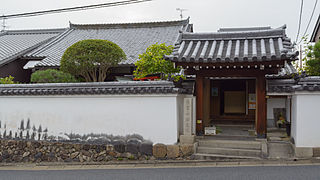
230 151
203 156
227 137
230 144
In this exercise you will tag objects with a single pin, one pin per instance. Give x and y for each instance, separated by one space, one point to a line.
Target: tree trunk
86 77
93 75
102 75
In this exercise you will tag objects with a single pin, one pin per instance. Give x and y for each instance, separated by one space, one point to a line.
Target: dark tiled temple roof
311 83
234 45
133 38
16 43
103 88
286 72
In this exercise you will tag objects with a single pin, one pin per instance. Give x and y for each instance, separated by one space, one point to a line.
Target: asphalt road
228 173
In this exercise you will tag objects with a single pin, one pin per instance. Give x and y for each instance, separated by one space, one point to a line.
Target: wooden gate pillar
261 109
199 105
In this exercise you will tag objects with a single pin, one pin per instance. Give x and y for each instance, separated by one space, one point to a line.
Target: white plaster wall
154 117
306 119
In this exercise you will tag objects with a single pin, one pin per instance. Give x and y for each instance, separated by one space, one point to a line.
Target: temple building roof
133 38
16 43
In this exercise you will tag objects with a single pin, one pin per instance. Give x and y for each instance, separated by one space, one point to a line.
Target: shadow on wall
25 132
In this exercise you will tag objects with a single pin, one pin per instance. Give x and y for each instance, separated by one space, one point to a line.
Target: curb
156 164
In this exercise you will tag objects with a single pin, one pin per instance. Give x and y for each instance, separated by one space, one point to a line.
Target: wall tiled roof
234 45
18 42
311 83
102 88
133 38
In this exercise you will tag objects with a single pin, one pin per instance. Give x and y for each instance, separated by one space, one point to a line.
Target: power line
78 8
301 7
314 8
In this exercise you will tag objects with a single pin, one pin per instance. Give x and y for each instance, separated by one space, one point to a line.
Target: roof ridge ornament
283 26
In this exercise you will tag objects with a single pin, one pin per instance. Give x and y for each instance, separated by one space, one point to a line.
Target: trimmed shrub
91 59
52 76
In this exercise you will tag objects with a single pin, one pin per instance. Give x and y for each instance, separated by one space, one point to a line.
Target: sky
206 15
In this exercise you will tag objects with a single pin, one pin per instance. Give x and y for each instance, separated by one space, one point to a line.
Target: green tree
91 59
52 76
152 62
313 60
7 80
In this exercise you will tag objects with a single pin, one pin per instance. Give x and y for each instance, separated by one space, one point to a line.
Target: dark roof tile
234 45
16 43
133 38
130 87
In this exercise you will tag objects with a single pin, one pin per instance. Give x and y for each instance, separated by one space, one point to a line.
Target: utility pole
181 10
300 59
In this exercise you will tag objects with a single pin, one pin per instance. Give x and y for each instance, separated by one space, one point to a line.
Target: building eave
315 30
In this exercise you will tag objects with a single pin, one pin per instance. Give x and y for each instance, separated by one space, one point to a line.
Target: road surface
229 173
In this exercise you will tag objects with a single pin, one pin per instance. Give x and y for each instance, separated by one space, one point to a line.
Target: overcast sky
206 15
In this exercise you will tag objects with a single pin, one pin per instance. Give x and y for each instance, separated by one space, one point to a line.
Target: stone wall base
46 151
303 152
187 139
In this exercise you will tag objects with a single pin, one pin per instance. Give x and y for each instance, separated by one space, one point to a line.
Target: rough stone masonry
17 151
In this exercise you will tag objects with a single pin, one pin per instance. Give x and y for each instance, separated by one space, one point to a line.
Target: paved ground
228 173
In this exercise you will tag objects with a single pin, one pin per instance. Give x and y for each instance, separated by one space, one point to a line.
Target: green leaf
152 61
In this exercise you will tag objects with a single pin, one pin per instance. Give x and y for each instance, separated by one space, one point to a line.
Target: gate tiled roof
234 45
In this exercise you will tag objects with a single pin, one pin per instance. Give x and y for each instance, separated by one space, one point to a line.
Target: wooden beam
261 109
199 104
230 72
231 64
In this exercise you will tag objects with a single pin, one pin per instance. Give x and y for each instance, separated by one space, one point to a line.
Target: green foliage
218 130
91 59
131 157
52 76
313 60
7 80
152 62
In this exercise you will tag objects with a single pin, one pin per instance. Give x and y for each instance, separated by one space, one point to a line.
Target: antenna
4 26
181 10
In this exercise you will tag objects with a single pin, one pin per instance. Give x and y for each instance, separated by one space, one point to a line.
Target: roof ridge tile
50 43
130 25
34 31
